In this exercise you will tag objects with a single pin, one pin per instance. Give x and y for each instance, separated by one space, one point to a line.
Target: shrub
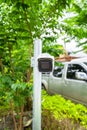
62 114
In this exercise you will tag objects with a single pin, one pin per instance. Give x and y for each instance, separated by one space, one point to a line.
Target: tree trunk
13 116
21 118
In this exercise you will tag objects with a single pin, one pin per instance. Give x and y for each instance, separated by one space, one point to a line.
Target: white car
69 80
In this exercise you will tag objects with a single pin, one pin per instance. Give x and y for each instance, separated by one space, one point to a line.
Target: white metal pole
37 87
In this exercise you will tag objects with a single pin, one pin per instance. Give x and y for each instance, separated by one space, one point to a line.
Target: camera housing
45 63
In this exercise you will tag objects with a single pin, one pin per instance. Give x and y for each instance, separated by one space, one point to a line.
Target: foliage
35 16
64 109
13 98
76 24
53 49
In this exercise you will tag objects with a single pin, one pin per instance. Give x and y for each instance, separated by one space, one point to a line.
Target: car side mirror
81 76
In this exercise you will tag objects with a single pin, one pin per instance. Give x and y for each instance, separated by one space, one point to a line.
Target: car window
72 68
58 71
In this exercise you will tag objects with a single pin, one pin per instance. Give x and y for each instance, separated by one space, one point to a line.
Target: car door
56 81
75 89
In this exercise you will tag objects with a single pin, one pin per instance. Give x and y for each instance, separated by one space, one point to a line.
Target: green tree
76 25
